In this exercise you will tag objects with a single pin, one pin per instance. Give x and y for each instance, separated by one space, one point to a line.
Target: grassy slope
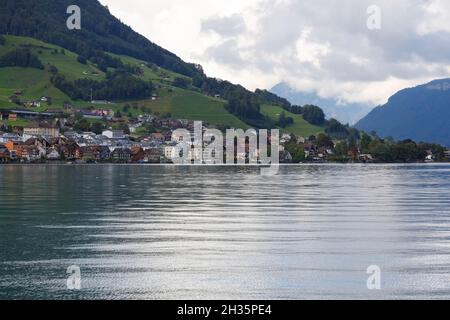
156 74
18 123
36 83
300 126
180 103
66 62
195 106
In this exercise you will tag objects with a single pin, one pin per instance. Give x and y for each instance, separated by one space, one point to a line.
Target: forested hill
421 113
46 20
104 41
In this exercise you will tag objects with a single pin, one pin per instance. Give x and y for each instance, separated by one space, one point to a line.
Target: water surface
155 232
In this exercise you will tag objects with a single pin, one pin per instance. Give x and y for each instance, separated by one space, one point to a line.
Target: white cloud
317 45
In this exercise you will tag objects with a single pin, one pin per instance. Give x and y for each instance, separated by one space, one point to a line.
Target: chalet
88 153
137 154
153 155
121 155
97 153
70 151
53 154
30 153
447 154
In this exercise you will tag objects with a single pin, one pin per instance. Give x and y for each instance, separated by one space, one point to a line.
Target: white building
114 134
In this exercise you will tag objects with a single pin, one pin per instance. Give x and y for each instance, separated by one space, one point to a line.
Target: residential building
5 155
171 151
12 117
157 137
114 134
70 151
42 129
285 157
10 137
153 155
30 153
53 154
121 155
137 154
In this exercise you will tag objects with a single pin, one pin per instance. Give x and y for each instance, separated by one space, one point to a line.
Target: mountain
107 60
346 113
421 113
46 20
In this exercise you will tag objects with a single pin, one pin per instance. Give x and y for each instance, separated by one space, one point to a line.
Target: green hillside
300 127
180 103
110 61
35 83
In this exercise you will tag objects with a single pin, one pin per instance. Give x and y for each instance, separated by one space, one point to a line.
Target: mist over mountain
346 113
421 113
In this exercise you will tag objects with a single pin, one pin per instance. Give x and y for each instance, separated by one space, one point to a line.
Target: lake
166 232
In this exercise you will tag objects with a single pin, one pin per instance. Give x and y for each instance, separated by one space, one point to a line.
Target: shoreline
223 165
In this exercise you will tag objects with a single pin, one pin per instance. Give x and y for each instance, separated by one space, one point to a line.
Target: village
61 135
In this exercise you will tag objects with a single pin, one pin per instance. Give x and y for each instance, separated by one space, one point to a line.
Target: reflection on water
143 232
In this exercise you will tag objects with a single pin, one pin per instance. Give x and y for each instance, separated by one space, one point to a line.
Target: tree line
20 58
118 85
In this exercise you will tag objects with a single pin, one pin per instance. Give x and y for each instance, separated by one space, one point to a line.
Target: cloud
225 26
314 45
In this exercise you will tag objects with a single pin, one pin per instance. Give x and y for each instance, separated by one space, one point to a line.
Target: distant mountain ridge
421 113
349 113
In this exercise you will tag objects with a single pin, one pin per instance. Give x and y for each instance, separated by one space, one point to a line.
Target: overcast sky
314 45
